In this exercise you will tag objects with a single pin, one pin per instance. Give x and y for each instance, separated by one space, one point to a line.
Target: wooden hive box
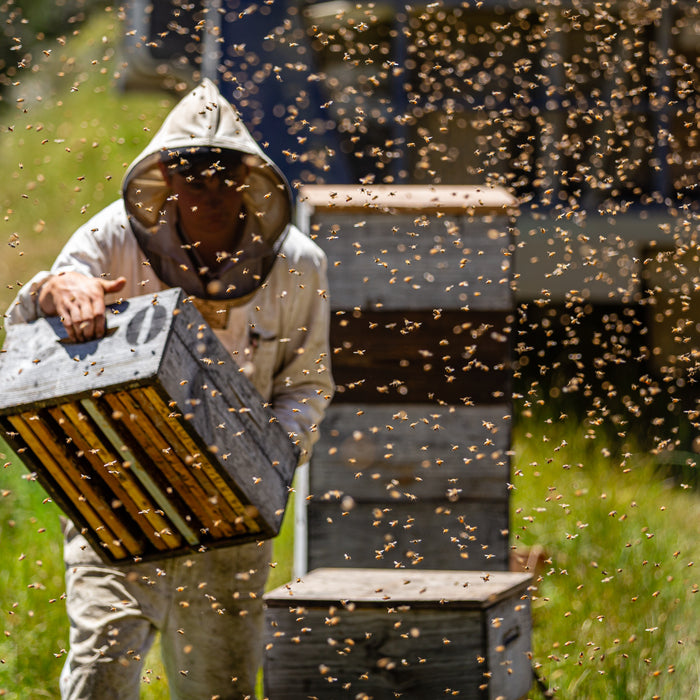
412 466
417 634
151 440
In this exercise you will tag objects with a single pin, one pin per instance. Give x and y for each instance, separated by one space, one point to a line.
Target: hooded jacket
205 122
273 314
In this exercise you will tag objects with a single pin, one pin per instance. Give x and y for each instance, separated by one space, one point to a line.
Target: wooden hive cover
151 439
473 590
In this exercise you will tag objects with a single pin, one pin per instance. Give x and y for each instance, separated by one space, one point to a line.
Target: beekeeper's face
210 203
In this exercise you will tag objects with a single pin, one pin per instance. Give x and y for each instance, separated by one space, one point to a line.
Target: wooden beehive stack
407 492
412 467
406 497
150 439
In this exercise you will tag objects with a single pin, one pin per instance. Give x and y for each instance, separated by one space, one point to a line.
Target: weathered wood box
414 634
151 440
414 484
412 465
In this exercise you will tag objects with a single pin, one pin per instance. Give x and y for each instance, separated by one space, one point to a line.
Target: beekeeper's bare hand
79 301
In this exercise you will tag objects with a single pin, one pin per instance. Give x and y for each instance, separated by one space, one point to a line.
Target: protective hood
204 121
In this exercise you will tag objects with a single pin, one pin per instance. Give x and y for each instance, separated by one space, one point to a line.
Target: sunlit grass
615 610
35 628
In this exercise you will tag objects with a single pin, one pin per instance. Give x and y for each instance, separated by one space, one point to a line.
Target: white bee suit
272 314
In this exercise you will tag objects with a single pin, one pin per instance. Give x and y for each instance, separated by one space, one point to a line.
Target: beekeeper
202 208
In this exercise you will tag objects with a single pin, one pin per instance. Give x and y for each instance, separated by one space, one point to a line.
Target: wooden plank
139 428
432 534
408 452
417 356
102 496
107 464
196 458
463 590
40 367
450 356
508 631
83 497
399 262
131 521
167 422
474 200
360 655
223 395
259 467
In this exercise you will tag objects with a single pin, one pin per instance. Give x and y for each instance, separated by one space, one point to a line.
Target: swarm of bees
507 195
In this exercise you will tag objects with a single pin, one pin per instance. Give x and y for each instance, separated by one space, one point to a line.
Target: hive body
150 439
369 633
412 466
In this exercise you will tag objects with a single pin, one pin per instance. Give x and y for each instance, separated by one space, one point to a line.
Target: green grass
35 628
616 610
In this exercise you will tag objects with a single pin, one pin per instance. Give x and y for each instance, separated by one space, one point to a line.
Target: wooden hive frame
123 441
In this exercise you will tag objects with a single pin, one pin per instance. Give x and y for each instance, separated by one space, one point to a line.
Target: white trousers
207 608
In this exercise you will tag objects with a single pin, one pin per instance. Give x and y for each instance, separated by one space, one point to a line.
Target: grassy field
615 608
615 613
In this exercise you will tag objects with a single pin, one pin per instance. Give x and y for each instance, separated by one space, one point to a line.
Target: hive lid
414 588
